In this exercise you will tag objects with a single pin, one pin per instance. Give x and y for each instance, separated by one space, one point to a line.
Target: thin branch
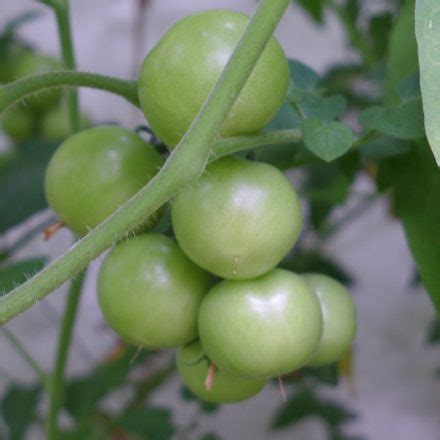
62 13
64 340
16 91
242 143
26 356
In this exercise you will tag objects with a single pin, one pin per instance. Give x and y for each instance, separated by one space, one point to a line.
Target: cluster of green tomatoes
43 115
215 291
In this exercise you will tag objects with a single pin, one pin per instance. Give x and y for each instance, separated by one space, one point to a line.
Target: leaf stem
26 356
18 90
65 337
62 14
185 164
242 143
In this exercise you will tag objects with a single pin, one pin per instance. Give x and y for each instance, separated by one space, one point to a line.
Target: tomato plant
218 223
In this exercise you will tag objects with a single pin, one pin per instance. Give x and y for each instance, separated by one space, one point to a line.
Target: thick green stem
242 143
27 357
18 90
62 14
65 337
185 164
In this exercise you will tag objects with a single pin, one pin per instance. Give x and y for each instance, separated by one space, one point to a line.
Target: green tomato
150 292
181 70
339 317
239 219
94 172
19 124
33 63
265 327
193 366
55 124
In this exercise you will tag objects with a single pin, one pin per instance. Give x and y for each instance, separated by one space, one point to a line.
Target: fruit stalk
185 164
16 91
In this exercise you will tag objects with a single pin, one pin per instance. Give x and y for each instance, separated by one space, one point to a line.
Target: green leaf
379 28
402 52
18 409
417 204
384 147
153 423
402 122
409 88
428 37
22 185
327 186
17 273
328 140
313 105
305 404
302 76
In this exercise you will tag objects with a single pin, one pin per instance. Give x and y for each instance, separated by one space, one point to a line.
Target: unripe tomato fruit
339 319
55 124
33 63
95 171
150 292
193 366
239 219
19 124
263 327
179 73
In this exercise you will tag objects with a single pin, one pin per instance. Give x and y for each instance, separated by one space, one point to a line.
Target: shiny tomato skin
95 171
180 71
261 328
239 219
149 292
339 319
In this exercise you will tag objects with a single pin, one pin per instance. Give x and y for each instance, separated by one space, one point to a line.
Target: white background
397 395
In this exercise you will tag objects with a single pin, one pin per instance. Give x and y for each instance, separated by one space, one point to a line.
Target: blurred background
393 389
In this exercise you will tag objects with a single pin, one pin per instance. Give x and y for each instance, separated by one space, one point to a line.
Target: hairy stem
18 90
62 14
65 337
185 164
241 143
